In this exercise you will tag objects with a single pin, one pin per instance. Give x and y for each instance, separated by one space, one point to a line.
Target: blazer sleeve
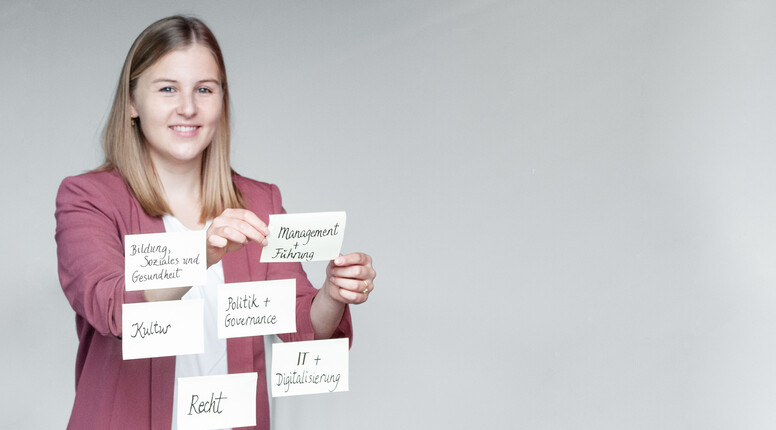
305 292
90 253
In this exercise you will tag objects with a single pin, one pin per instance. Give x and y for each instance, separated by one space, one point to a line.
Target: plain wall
569 204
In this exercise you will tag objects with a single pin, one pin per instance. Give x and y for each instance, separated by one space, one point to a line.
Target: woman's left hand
350 278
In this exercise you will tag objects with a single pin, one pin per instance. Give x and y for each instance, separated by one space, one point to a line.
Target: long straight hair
123 142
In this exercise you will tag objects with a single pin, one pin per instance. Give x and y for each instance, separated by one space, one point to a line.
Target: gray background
570 204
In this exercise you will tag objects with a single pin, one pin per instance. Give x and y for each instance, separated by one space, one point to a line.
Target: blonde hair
125 150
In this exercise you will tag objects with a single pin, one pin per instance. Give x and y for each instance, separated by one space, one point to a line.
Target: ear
132 111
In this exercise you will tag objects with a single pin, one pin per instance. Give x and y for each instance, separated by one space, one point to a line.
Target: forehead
195 61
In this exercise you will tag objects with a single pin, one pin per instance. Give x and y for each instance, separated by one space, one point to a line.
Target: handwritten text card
160 329
311 367
257 308
304 237
163 260
215 402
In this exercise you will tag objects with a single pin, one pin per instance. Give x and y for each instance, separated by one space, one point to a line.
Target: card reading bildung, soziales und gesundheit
164 260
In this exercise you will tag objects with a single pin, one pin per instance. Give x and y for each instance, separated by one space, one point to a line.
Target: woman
167 169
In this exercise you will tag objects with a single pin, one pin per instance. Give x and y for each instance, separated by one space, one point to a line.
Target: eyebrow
161 80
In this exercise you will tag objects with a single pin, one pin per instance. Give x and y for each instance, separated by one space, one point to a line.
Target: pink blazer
94 211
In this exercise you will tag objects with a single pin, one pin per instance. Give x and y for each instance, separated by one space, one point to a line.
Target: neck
182 186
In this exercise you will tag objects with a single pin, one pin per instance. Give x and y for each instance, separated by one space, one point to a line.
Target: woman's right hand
231 230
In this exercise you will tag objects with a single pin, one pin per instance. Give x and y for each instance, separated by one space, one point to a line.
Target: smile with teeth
184 128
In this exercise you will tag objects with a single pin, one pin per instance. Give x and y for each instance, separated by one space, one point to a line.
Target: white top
213 360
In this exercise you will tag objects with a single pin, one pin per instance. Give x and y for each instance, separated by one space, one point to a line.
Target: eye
204 90
167 90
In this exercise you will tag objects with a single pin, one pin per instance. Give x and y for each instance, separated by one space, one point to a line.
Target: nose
187 105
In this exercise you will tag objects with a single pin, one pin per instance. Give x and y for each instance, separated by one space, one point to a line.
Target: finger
355 272
217 241
252 219
229 216
232 228
231 234
353 297
353 259
353 285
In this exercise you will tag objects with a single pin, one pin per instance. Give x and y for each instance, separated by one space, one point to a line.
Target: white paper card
216 402
160 329
304 237
311 367
257 308
164 260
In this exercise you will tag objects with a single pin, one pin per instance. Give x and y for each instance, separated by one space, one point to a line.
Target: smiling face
179 103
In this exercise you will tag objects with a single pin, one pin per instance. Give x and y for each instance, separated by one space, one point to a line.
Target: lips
185 130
